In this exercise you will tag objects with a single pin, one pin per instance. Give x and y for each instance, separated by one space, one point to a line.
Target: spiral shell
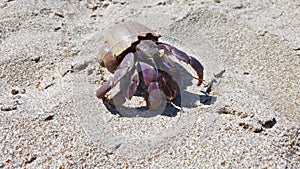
121 36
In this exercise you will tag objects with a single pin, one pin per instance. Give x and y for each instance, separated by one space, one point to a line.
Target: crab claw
125 66
180 55
156 98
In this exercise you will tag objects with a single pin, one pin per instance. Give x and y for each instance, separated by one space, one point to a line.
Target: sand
51 118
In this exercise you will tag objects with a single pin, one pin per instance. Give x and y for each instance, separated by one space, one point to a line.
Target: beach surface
50 116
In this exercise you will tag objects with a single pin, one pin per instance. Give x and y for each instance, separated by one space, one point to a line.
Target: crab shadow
185 99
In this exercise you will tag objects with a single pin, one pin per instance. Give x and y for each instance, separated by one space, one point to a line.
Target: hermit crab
140 62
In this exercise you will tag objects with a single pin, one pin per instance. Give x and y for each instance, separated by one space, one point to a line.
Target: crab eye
161 52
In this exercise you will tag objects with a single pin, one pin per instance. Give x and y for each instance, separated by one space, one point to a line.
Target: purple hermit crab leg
125 66
155 97
180 55
148 72
132 87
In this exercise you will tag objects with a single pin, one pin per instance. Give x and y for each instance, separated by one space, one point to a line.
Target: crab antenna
197 78
201 80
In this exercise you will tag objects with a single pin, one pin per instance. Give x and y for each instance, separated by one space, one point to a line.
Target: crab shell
118 39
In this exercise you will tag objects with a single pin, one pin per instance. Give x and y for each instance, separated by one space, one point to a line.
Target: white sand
50 117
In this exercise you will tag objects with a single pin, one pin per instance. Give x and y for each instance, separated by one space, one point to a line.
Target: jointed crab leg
125 66
180 55
133 84
148 72
155 97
